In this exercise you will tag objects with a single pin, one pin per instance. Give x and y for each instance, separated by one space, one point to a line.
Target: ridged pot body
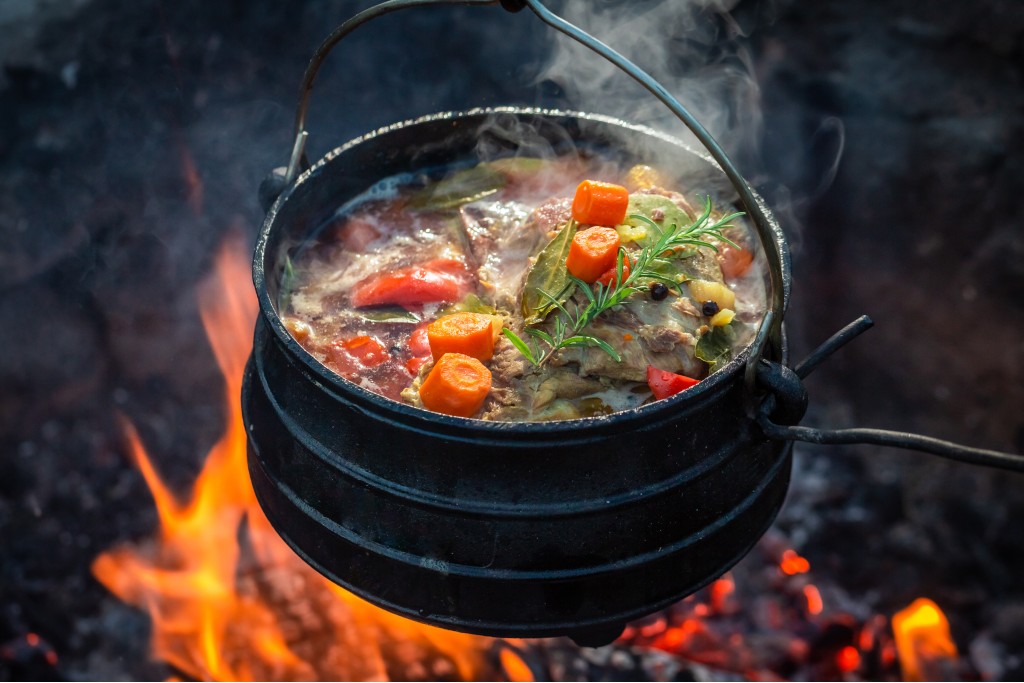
511 529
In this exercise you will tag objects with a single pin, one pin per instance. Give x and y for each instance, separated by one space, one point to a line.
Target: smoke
694 48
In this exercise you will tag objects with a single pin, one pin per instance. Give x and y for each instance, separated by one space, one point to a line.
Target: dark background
105 105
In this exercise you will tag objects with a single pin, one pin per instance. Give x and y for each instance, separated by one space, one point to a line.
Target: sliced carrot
471 334
598 203
592 252
457 385
608 277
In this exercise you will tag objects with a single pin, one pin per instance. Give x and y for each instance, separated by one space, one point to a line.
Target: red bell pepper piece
664 383
366 351
434 282
419 348
734 262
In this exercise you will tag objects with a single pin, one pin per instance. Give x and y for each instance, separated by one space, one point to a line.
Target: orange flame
514 667
229 610
923 640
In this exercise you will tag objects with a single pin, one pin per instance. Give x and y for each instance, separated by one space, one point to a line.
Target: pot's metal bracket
786 402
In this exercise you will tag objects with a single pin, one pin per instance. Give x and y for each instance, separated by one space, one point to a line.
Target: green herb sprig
568 327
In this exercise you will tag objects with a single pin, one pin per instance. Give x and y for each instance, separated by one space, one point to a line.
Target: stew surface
526 289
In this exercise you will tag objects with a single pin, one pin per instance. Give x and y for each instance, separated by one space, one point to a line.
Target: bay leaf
548 274
519 168
391 314
471 303
645 204
716 345
461 187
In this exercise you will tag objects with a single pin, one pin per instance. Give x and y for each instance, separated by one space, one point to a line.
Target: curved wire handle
771 324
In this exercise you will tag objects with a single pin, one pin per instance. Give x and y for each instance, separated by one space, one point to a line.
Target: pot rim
706 390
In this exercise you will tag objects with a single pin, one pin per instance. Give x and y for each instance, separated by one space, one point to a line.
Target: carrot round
592 253
471 334
457 385
598 203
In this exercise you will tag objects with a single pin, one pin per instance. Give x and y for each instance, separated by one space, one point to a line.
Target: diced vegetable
417 285
734 262
419 342
471 334
598 203
367 350
302 331
723 317
643 177
609 276
413 365
706 290
592 252
457 385
631 233
664 383
419 349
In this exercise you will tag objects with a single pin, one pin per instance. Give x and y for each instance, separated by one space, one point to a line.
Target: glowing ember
228 599
791 563
848 659
923 641
814 602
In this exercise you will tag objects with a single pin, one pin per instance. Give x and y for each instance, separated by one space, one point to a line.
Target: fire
228 599
923 640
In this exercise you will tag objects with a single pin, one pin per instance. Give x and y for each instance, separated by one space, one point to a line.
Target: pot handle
786 403
770 330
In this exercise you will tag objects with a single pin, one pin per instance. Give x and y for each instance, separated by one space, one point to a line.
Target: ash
133 136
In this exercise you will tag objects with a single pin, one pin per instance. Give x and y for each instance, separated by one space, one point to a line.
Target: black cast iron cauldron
509 529
532 529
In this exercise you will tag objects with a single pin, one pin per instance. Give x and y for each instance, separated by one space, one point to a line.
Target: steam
691 47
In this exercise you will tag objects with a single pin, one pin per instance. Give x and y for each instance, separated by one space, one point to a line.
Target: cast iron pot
503 529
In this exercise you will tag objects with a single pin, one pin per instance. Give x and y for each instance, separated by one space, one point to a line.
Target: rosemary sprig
568 327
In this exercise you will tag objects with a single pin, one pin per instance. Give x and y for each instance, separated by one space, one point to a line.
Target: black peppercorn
709 308
658 291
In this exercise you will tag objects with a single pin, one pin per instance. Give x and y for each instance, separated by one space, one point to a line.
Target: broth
403 272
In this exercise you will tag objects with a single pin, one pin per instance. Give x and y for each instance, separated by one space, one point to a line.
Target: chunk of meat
501 246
